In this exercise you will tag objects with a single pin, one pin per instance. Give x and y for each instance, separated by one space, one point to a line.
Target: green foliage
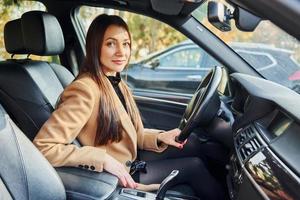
150 35
10 2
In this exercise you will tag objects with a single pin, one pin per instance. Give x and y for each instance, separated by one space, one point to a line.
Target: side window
260 60
9 10
185 59
156 46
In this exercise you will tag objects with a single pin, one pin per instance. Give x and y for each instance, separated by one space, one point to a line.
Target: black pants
188 161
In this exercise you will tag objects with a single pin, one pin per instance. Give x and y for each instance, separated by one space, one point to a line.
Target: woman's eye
126 44
110 44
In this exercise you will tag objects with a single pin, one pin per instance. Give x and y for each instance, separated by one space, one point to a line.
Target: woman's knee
197 162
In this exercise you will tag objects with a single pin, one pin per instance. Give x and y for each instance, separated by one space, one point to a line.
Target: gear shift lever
164 186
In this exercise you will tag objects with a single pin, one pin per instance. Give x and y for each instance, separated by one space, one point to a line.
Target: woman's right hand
114 167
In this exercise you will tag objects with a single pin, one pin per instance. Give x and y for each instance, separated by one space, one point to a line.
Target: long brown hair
109 128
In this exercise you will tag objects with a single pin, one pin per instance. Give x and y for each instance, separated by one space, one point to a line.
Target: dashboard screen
279 124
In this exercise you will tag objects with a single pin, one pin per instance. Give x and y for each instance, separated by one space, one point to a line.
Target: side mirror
155 63
219 16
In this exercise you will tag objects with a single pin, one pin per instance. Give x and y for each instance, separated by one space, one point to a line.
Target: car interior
248 126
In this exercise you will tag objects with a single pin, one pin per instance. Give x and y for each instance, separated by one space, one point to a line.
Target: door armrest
84 184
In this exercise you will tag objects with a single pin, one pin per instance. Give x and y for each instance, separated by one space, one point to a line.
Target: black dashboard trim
273 177
283 97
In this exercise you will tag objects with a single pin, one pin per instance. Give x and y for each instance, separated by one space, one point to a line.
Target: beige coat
76 117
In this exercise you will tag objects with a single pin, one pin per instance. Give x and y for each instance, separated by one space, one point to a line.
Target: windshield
269 50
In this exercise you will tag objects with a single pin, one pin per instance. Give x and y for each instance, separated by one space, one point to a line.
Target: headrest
13 39
42 34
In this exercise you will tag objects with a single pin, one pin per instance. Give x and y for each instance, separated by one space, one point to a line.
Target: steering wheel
203 106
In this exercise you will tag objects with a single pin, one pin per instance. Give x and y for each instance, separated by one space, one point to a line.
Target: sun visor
175 7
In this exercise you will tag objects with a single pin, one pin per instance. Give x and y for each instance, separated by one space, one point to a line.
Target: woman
99 110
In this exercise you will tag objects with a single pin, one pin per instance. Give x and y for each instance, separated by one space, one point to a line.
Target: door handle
194 77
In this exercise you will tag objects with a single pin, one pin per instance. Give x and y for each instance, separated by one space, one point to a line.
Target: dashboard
266 159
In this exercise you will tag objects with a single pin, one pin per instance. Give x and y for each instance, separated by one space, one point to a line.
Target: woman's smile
118 61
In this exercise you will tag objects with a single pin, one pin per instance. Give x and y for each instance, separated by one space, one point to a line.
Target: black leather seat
29 89
24 173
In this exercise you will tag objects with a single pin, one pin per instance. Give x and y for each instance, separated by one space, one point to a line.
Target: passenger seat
24 172
29 89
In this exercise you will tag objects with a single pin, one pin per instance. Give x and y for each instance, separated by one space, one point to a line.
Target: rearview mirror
244 20
219 16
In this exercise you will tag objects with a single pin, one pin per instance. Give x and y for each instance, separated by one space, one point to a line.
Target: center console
132 194
125 193
84 184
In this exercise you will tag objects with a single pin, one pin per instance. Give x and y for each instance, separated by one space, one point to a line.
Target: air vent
247 143
249 148
244 135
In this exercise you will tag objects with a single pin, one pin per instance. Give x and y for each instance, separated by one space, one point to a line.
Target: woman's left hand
168 137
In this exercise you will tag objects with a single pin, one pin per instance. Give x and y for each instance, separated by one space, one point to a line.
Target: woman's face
115 50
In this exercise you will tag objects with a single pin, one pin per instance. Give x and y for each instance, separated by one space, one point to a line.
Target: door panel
160 114
166 115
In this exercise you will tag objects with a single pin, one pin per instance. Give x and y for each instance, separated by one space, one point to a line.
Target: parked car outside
181 67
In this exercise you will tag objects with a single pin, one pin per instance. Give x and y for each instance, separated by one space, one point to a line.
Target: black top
115 80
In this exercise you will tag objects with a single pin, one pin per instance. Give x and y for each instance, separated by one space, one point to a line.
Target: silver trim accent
185 68
162 92
159 100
